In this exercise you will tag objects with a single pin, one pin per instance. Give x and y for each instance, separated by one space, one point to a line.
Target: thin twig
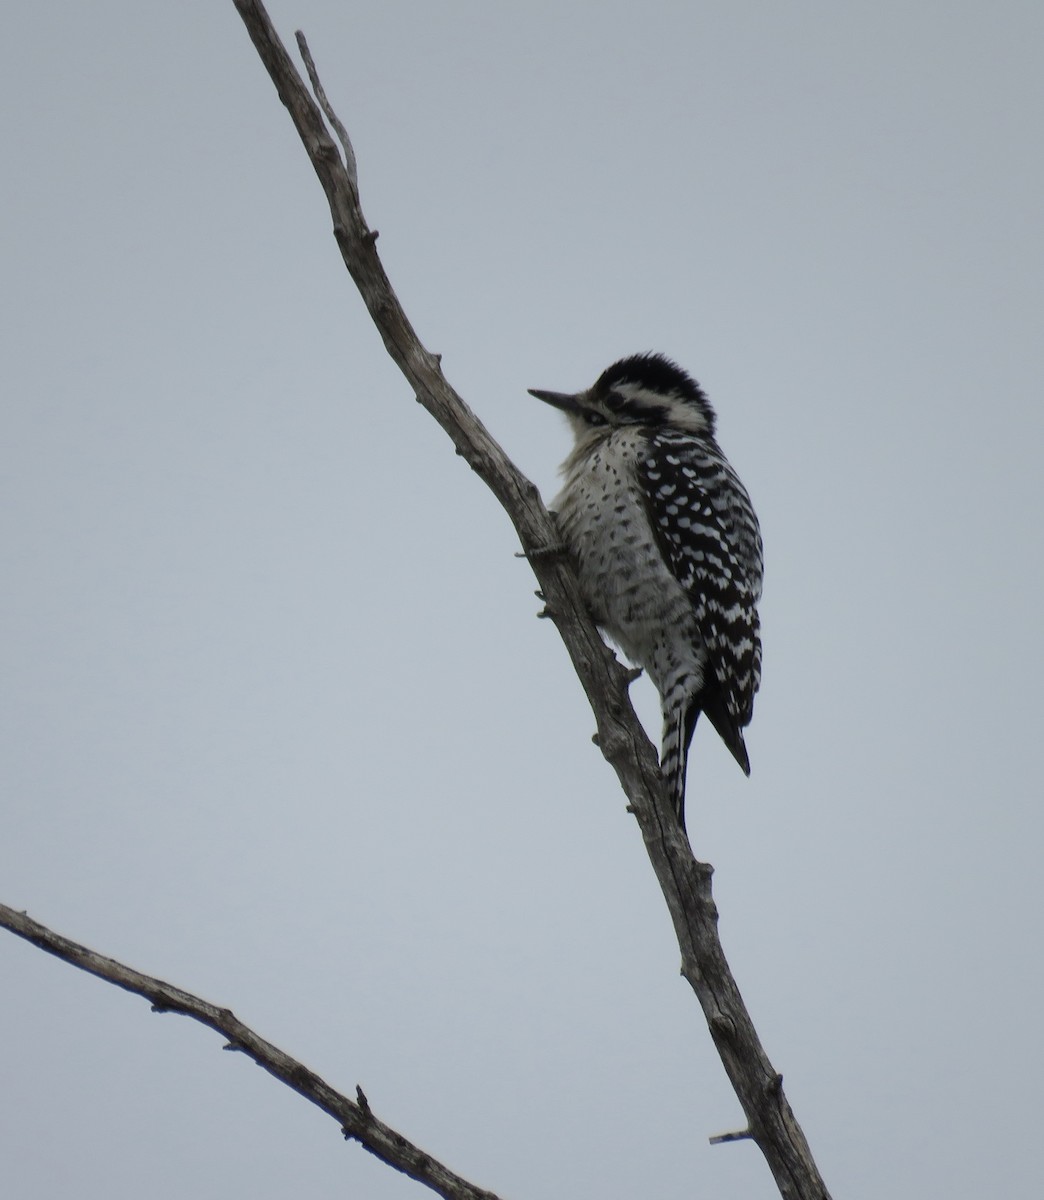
356 1119
740 1135
320 94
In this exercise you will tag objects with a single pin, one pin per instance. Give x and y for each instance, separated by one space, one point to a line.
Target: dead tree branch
685 882
354 1116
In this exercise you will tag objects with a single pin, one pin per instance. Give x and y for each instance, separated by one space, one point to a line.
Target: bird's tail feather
728 730
679 721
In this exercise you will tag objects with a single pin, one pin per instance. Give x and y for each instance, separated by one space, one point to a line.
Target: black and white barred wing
709 535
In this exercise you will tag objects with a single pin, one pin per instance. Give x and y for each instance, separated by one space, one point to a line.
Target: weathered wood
354 1116
686 883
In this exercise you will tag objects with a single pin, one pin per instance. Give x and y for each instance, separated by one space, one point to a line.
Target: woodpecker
667 547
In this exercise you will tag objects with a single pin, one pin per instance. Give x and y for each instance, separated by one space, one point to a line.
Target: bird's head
645 389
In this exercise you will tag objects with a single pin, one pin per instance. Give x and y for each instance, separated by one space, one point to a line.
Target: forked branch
685 882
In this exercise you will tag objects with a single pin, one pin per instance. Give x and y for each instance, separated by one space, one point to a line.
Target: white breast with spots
629 589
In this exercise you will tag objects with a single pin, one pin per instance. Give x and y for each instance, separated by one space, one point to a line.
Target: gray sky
278 722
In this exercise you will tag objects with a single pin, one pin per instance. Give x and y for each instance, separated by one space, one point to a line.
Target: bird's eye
594 418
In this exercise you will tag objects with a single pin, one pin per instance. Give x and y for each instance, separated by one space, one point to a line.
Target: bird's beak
563 400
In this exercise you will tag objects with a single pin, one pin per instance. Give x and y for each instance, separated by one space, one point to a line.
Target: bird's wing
708 534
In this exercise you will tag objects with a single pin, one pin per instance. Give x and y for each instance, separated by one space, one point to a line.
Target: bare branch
685 882
356 1120
626 745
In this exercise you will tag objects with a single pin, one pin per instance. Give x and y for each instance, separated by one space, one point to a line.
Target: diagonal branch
355 1117
685 882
